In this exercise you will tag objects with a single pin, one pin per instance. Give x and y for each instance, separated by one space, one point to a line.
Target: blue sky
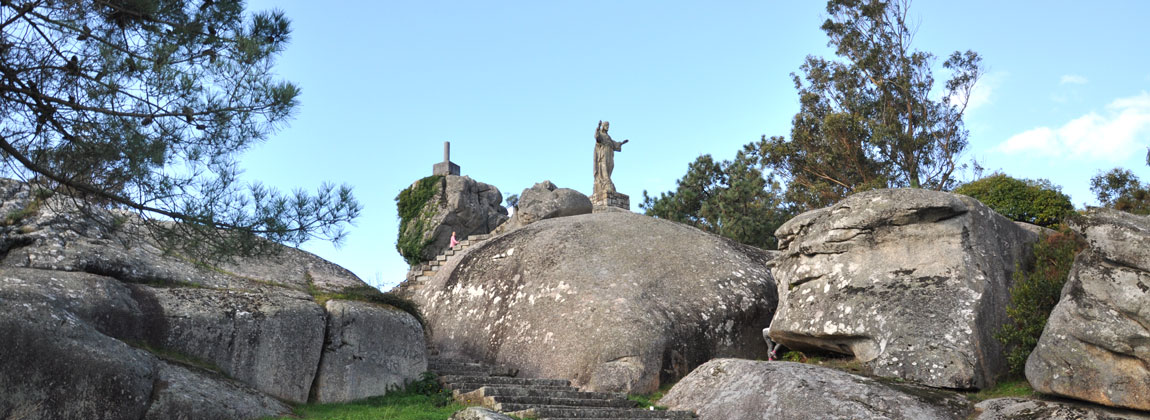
518 87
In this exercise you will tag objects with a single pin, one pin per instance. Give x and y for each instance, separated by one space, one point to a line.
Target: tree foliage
1120 189
728 198
413 213
1034 294
869 121
1036 202
143 104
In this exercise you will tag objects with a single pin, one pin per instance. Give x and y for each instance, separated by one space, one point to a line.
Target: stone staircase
499 389
419 275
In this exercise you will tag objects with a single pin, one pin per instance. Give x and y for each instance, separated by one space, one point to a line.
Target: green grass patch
395 406
1016 387
652 399
423 399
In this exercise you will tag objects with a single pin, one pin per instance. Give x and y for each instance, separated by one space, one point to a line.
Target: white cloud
981 93
1123 129
1073 79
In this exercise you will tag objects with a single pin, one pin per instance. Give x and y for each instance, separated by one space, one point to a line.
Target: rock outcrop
733 389
270 340
368 348
912 282
60 359
1096 345
545 201
461 205
611 301
99 322
1024 409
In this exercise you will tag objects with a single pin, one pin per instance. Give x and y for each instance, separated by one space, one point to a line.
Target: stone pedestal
611 199
445 168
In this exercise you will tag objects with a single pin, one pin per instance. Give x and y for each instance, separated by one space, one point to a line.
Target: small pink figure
453 241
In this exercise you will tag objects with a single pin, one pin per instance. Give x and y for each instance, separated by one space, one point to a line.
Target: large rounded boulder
613 301
912 282
1096 344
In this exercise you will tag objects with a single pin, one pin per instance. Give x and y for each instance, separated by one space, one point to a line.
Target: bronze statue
605 149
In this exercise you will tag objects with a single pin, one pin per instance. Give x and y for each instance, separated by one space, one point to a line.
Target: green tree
728 198
1035 293
1037 202
869 121
143 104
1120 189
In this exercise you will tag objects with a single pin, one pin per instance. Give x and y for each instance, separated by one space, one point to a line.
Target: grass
652 399
403 405
1015 387
423 399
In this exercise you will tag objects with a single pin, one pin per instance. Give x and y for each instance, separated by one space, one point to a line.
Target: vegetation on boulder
1036 202
413 211
1035 293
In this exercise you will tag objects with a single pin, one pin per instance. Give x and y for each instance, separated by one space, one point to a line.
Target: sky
518 87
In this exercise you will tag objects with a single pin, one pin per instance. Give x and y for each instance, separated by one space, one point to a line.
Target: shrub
1034 294
1024 200
412 202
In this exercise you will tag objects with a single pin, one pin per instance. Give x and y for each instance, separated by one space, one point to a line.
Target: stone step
500 380
441 258
423 278
605 413
449 252
507 404
459 389
518 391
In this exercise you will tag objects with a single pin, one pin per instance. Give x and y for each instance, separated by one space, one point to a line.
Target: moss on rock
413 214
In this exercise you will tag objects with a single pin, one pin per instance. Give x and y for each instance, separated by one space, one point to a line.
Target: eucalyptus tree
873 118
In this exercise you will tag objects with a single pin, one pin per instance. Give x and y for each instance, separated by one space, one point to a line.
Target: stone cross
445 167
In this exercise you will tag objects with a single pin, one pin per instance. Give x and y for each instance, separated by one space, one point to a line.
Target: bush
1023 200
1034 294
412 203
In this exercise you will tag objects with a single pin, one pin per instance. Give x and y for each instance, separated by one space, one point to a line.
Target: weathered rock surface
181 393
271 341
55 364
734 389
461 205
95 311
369 350
1024 409
1096 345
60 359
912 282
545 201
611 301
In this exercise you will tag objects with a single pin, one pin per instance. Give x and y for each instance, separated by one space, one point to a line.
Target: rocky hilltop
99 322
611 301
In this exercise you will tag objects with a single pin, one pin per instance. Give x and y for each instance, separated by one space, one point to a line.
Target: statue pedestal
611 199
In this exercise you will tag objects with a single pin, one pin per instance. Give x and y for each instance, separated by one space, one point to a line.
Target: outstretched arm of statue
619 146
